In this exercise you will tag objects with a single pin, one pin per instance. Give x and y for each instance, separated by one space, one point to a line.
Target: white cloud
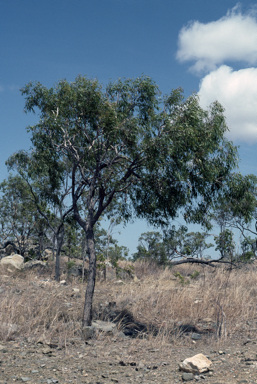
237 92
231 38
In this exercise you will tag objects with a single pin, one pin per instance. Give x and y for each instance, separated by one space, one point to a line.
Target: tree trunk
53 248
83 246
87 314
59 238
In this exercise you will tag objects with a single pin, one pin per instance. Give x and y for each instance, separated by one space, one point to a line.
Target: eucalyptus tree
151 247
174 246
48 182
186 247
248 249
236 209
132 148
17 214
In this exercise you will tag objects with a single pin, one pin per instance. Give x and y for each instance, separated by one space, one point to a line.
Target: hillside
163 318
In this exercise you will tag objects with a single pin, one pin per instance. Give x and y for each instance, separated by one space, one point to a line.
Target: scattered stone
24 379
196 336
47 351
196 364
76 290
187 376
63 282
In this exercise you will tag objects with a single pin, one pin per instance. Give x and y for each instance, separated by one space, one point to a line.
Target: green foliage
130 150
151 154
182 278
70 264
225 244
71 246
100 260
18 214
151 248
248 246
174 243
236 206
247 256
194 275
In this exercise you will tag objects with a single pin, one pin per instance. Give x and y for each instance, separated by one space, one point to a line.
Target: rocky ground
110 360
30 354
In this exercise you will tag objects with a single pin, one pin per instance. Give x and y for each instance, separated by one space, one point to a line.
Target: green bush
70 264
182 279
195 274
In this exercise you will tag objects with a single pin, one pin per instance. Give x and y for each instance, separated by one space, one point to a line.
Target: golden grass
34 306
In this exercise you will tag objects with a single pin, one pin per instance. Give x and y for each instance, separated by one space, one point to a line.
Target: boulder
105 327
10 249
15 260
34 264
109 272
76 271
48 254
196 364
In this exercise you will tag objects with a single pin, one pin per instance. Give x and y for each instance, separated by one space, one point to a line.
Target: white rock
75 290
196 364
63 282
15 260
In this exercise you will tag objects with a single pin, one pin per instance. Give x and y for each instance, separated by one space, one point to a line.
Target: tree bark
83 246
59 238
88 314
53 248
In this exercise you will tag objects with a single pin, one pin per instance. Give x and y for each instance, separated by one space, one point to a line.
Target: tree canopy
131 151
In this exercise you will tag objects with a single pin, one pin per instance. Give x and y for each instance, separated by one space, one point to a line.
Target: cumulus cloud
237 92
231 38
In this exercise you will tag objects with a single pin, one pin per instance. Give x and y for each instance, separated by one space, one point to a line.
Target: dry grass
220 297
34 306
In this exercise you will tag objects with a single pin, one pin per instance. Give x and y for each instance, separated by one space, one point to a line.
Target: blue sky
203 46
